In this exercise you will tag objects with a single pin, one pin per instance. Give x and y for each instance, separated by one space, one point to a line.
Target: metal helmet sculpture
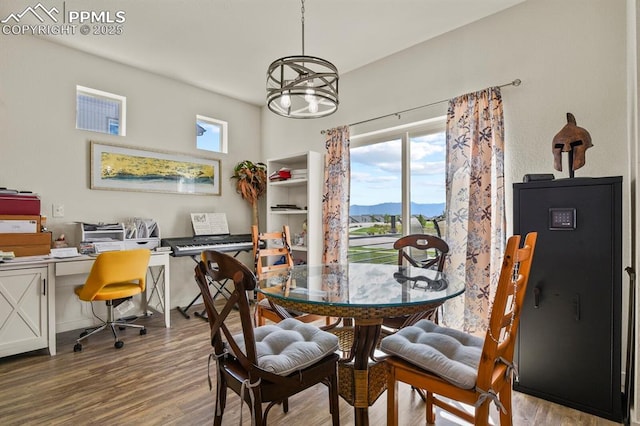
572 139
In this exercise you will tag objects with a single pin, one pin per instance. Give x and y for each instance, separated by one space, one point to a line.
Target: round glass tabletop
360 285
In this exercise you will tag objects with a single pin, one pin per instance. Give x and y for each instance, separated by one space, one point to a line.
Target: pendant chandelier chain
302 20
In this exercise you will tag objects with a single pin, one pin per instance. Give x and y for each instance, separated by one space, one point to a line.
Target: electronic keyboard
189 246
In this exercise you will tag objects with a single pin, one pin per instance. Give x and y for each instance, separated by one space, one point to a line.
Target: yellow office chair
114 275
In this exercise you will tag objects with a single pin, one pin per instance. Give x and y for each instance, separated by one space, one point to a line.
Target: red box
21 204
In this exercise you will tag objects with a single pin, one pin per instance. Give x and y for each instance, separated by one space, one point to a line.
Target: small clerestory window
211 134
100 111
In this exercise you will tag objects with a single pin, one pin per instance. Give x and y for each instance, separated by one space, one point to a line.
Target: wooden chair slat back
269 245
220 267
422 242
501 333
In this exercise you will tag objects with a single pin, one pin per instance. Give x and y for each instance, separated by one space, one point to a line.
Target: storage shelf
300 191
288 211
289 182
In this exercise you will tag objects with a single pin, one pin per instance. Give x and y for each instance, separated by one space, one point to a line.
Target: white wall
41 151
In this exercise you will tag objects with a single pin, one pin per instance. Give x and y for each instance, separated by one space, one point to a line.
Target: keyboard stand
220 290
183 311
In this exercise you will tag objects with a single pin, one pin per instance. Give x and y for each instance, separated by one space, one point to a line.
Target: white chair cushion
448 353
290 345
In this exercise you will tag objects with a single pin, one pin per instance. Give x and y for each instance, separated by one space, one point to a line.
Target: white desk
28 288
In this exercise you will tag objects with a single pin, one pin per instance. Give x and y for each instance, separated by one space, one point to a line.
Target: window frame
224 130
101 94
404 133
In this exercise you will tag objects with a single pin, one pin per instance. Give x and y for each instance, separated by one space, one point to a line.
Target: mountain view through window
397 188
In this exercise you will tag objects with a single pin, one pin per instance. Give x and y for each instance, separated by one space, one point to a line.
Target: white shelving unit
305 193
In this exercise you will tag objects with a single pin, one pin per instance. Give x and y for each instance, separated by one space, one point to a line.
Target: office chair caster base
143 331
119 344
84 333
77 347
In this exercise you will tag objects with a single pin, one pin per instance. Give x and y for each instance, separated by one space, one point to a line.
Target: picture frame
127 168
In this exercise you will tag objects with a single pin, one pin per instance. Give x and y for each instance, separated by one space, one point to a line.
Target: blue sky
376 171
210 139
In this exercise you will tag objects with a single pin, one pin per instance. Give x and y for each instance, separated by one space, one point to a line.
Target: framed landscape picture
125 168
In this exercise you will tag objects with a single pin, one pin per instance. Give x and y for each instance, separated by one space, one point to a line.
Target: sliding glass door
397 188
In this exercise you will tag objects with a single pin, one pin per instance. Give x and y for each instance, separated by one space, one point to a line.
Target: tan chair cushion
446 352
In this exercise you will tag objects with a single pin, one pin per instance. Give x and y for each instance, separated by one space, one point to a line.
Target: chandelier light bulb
309 95
313 106
309 92
285 101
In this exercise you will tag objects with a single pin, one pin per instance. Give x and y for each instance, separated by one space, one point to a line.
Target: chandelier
302 86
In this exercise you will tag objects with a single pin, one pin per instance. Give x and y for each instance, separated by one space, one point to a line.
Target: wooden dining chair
265 364
460 366
271 253
422 251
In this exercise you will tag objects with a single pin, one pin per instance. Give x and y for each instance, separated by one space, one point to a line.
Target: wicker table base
365 385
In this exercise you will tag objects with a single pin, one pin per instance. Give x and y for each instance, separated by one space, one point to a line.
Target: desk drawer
140 243
74 267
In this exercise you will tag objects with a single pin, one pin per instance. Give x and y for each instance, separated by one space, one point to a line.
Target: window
397 178
100 111
211 134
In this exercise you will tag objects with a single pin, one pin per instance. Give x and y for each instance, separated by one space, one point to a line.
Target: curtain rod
516 82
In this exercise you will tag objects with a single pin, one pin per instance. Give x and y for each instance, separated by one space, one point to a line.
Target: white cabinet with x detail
23 310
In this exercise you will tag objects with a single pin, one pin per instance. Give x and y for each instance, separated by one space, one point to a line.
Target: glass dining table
361 295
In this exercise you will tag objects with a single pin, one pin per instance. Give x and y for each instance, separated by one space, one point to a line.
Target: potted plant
251 183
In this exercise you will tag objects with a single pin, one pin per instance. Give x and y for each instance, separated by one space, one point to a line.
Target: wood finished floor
161 379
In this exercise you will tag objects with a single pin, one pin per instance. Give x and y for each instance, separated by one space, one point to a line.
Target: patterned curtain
335 196
475 224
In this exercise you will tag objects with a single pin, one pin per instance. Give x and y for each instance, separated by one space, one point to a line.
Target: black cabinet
569 342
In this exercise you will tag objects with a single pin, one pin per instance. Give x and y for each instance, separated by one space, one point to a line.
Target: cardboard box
33 244
17 223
